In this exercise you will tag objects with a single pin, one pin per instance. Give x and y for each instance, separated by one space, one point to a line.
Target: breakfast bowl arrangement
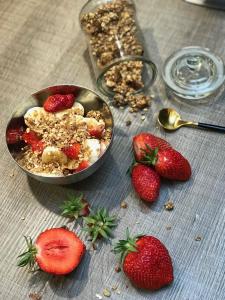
61 134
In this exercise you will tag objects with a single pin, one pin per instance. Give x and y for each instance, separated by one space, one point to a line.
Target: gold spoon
170 119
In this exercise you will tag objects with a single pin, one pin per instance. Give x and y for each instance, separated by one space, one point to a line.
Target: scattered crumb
168 227
118 292
123 204
169 205
145 109
152 96
137 222
127 286
131 110
22 218
98 296
94 246
198 238
117 269
106 292
12 174
122 107
35 296
128 122
114 287
143 118
195 218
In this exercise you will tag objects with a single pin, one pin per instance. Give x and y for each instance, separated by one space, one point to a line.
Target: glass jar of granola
116 47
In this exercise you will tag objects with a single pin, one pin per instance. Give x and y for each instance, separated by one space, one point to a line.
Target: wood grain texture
41 45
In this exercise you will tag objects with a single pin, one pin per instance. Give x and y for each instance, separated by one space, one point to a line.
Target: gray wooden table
42 44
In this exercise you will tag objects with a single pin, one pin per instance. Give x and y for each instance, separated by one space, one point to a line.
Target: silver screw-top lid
194 72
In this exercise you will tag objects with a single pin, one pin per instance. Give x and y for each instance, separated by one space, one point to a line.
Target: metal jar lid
194 72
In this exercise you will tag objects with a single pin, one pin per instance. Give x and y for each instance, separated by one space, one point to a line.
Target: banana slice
34 118
92 123
53 154
94 148
77 109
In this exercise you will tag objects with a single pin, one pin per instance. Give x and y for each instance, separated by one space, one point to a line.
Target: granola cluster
112 29
59 131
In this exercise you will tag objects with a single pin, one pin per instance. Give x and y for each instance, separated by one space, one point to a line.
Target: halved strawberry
58 102
14 135
32 139
83 165
141 140
72 151
57 251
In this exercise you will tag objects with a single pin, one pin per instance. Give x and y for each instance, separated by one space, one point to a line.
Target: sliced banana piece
53 154
34 118
77 109
94 148
92 123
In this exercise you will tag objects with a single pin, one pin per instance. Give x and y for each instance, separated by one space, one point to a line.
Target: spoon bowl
170 119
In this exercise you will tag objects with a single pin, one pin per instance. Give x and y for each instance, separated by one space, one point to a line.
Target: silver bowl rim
82 171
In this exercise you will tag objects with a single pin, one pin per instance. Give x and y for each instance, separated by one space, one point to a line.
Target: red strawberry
146 182
58 102
83 165
141 140
14 135
57 251
72 151
146 261
32 139
96 132
169 164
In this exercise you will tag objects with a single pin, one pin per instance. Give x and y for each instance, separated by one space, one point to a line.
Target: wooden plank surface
42 44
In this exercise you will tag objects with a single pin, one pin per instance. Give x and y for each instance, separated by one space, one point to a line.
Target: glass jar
116 47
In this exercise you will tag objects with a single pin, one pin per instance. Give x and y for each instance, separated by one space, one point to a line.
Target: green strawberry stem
99 224
151 156
28 257
123 247
73 206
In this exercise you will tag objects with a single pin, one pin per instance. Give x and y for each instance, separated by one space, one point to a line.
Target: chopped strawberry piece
32 139
38 146
96 132
83 165
14 135
58 102
72 151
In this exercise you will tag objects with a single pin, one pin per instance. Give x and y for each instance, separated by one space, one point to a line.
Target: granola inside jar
116 47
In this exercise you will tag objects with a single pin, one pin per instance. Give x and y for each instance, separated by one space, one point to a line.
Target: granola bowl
61 134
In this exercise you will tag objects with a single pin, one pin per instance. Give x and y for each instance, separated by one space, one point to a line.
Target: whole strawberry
57 251
146 182
145 261
168 163
58 102
144 139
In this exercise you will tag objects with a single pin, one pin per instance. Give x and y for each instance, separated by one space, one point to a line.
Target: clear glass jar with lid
119 58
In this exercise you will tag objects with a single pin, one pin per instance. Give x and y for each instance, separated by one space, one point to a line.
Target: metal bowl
90 101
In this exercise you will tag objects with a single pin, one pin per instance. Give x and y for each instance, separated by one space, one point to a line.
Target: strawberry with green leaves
144 139
145 261
56 251
146 182
168 163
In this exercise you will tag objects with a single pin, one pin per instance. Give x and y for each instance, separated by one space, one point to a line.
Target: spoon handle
212 127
